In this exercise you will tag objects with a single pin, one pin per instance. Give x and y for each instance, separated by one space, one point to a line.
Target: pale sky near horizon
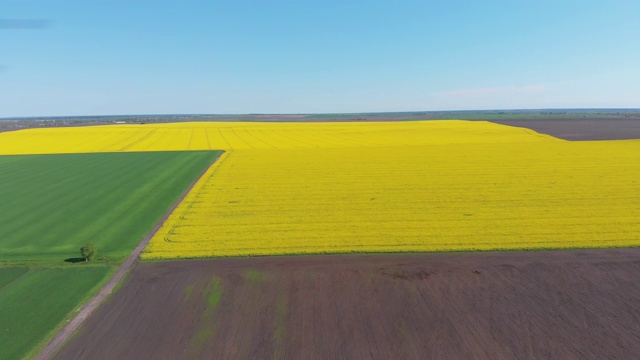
273 56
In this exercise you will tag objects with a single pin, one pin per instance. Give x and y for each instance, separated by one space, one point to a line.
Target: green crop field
52 204
34 301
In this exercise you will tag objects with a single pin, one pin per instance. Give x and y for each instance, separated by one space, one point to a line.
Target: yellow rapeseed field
247 136
379 187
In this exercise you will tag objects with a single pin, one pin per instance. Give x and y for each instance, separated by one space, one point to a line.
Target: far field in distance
491 115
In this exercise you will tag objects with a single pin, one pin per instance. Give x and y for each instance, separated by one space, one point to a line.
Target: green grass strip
33 305
52 204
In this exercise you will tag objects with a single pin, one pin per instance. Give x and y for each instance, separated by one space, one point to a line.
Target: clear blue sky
271 56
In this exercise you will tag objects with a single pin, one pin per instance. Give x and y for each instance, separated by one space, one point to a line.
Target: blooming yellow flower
285 188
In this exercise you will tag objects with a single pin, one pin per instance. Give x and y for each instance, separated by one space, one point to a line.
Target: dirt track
563 305
581 129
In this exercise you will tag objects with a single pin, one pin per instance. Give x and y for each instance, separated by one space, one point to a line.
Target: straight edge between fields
75 322
391 252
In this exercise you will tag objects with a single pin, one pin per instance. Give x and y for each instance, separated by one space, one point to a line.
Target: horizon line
416 112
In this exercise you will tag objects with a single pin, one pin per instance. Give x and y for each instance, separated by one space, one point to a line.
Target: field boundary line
90 306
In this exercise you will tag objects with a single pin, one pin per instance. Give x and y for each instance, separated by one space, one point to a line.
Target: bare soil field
7 129
581 129
536 305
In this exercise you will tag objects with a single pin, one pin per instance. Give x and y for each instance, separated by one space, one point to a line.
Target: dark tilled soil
539 305
581 129
7 129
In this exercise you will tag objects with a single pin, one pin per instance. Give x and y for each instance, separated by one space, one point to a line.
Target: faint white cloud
23 23
503 97
494 91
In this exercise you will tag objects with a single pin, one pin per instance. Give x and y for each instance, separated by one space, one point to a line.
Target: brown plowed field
560 304
581 129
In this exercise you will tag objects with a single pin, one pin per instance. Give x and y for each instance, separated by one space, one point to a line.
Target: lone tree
88 251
